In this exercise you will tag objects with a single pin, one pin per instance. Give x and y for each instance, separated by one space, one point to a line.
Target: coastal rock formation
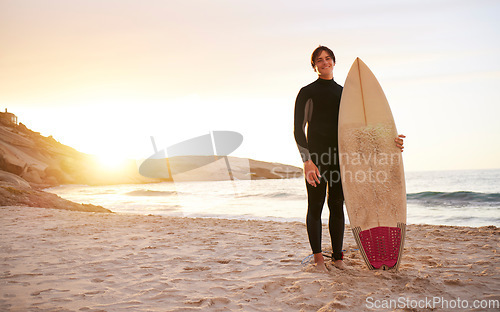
267 170
15 191
215 168
43 161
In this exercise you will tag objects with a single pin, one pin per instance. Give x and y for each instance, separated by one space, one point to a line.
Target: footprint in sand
223 261
196 269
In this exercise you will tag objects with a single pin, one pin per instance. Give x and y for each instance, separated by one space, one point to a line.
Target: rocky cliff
15 191
43 161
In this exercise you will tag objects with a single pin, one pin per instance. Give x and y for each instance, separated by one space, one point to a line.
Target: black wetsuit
317 105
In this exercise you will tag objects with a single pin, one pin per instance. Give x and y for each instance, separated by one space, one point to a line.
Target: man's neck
327 77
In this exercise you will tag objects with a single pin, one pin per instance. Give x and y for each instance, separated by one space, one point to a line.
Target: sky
104 76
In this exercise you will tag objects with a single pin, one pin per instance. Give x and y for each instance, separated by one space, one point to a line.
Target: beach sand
59 260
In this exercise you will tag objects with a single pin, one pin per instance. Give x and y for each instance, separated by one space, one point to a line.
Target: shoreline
283 200
56 259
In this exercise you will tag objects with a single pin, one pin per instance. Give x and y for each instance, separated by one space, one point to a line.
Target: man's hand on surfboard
399 141
311 172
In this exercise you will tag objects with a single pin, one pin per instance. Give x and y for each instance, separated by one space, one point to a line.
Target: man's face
324 64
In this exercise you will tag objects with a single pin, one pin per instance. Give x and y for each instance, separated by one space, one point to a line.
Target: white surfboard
372 170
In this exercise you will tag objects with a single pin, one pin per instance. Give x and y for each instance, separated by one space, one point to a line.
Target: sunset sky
104 75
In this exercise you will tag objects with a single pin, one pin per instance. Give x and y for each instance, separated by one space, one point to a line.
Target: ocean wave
150 193
276 195
460 199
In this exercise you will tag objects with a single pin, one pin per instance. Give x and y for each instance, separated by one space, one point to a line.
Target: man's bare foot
339 264
320 263
321 267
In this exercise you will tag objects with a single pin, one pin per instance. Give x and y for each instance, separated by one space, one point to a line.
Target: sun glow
110 169
111 163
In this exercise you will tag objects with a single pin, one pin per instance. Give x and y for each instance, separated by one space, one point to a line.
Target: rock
13 179
10 164
54 175
267 170
13 194
32 175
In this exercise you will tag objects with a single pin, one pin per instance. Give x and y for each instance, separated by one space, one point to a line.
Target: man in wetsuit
317 106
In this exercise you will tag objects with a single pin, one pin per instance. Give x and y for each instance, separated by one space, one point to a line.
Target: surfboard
372 172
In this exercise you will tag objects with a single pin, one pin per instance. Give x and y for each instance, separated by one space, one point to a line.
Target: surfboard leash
308 258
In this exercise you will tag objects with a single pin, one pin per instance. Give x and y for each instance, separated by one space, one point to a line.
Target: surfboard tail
402 226
381 247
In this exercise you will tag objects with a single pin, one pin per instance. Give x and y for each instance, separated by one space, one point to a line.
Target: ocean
462 198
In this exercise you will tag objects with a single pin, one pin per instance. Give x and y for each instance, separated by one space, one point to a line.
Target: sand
58 260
